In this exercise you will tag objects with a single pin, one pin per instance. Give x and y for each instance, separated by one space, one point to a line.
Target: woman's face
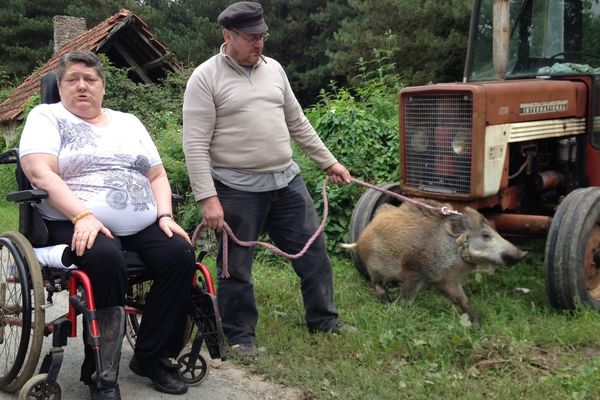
81 91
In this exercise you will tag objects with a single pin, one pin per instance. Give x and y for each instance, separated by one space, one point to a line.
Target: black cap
245 16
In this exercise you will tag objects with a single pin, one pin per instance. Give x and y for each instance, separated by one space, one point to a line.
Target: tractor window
547 30
547 37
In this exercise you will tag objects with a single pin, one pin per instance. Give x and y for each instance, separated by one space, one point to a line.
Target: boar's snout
512 258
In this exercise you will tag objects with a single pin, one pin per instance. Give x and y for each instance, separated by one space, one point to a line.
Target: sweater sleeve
301 130
199 116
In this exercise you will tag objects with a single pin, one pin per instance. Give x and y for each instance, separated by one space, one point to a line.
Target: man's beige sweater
243 123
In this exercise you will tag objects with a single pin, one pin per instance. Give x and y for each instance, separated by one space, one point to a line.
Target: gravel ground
226 381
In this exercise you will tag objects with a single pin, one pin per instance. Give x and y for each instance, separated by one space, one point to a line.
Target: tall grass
9 212
426 349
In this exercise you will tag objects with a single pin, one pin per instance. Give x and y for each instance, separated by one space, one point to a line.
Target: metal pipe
472 37
501 37
520 223
546 180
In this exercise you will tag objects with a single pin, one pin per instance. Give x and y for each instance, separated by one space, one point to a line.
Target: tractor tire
363 213
572 255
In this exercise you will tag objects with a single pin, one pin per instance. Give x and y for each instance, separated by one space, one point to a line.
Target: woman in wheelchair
108 193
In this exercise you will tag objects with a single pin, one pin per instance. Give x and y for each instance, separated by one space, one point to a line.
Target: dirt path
226 381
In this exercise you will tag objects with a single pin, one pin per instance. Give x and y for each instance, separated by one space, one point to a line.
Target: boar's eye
486 235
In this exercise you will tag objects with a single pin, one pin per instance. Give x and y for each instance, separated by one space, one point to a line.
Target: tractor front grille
437 141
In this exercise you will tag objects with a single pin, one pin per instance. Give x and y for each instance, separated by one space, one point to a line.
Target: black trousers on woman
172 262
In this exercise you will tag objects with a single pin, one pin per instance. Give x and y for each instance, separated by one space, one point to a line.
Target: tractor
518 139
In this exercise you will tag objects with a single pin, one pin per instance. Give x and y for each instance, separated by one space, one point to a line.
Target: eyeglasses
251 39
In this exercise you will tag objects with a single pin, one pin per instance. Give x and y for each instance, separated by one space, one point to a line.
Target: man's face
245 48
81 90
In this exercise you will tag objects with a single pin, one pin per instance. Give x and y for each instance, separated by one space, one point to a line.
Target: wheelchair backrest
31 224
49 88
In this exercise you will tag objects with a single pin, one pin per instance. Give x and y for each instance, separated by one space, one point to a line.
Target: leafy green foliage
360 127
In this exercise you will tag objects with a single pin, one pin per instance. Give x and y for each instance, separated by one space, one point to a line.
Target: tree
302 31
425 39
24 38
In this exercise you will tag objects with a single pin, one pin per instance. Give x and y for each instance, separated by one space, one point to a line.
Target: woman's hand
170 227
85 232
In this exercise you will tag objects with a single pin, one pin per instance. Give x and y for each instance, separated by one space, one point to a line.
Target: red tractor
518 139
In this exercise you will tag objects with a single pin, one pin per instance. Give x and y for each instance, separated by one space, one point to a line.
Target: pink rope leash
274 249
229 233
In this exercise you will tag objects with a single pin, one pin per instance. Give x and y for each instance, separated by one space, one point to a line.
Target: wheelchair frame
22 308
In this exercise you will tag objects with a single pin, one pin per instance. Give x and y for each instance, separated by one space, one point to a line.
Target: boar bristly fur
411 246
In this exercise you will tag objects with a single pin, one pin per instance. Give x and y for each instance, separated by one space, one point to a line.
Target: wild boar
411 246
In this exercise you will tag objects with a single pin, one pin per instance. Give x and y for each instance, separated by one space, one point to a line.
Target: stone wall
65 29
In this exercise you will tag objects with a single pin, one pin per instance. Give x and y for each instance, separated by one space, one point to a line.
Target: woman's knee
104 254
179 255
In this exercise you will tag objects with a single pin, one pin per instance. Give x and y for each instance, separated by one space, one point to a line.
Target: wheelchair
22 303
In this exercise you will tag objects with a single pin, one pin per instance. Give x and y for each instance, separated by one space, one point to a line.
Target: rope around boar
228 234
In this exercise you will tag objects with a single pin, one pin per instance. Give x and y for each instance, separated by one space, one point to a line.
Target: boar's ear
455 225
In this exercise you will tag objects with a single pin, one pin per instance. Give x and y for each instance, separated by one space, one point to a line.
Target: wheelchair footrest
208 320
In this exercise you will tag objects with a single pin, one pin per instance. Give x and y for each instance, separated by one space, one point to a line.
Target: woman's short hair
89 58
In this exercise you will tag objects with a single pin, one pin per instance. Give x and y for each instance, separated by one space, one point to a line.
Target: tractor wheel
572 254
365 210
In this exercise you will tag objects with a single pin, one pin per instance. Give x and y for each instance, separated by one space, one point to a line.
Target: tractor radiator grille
437 141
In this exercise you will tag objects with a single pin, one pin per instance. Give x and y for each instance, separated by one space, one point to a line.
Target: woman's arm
161 189
41 170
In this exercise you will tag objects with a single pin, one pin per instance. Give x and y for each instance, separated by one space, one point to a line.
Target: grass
424 349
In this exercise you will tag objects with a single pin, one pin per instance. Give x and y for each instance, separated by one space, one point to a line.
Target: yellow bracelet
81 216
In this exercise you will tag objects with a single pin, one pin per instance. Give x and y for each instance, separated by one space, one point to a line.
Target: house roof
126 41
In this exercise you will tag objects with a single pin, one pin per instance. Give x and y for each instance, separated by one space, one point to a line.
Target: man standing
239 113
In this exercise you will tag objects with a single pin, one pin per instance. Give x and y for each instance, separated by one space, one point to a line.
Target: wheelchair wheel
40 389
136 296
192 374
21 312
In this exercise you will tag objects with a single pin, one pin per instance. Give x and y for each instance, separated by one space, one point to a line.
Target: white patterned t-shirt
105 167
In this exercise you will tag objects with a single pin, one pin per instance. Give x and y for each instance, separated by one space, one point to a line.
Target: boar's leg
455 292
381 292
411 284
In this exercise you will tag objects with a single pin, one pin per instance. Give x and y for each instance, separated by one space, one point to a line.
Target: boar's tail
348 246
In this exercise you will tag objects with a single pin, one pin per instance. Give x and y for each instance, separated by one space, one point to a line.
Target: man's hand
212 213
338 174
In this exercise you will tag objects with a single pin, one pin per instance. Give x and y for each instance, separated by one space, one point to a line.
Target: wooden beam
136 67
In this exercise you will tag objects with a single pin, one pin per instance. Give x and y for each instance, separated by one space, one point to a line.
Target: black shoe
164 377
334 326
246 350
112 393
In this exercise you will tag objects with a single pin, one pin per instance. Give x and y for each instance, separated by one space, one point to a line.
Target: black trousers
289 217
172 262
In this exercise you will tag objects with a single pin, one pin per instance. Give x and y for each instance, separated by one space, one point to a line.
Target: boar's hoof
381 293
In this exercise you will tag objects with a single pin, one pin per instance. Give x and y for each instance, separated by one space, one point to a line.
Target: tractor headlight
460 143
419 141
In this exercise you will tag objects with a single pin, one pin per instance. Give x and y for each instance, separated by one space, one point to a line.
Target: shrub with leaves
360 127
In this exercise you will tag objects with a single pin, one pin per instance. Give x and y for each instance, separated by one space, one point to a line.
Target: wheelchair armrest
177 198
9 156
29 196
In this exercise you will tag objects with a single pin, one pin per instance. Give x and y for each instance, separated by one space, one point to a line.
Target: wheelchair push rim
21 312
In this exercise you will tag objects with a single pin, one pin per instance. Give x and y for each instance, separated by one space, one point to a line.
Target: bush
360 127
